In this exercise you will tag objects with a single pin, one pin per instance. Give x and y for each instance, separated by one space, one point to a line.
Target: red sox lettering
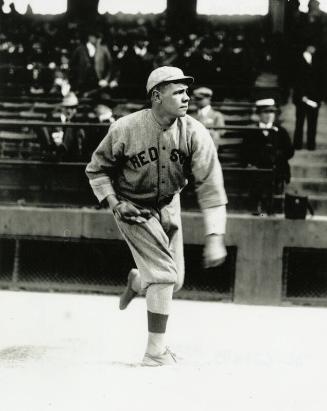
151 154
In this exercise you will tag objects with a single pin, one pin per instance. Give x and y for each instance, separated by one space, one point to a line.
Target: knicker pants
157 245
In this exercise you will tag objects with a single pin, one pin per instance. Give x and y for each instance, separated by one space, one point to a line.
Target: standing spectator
206 114
269 147
307 96
135 65
91 65
206 60
239 66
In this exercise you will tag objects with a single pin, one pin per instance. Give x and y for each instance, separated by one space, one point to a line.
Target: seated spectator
268 147
64 143
60 84
206 114
94 135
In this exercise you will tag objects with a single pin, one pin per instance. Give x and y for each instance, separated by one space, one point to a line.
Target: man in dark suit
307 95
268 147
91 65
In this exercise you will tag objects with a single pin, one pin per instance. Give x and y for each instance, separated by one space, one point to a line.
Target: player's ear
156 96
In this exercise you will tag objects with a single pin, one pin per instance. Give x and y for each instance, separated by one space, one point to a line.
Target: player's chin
182 111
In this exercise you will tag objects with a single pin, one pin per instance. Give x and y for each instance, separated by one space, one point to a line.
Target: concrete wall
259 240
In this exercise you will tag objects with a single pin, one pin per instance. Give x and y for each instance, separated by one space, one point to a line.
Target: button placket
163 161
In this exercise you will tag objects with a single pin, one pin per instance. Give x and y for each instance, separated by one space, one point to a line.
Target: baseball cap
166 74
202 92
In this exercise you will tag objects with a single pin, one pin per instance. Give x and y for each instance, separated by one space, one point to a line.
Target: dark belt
156 205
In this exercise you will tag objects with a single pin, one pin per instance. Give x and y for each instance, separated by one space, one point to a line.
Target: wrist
214 238
112 201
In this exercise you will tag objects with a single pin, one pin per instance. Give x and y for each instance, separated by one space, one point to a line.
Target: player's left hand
214 252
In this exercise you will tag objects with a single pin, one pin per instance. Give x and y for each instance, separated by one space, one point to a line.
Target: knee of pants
179 283
177 286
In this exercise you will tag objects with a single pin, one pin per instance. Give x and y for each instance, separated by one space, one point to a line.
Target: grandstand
46 204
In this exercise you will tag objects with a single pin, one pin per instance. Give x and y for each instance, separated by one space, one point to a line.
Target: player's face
174 100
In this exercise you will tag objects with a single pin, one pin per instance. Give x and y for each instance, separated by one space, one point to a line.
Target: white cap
166 74
265 102
70 100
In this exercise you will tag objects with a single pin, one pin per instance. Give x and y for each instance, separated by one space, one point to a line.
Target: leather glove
214 252
128 213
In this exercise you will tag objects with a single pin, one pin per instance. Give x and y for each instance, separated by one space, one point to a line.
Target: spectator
91 66
60 85
206 114
206 62
307 95
64 143
269 147
239 66
93 136
135 64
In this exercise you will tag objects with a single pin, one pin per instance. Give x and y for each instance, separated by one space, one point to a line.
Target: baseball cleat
166 358
128 293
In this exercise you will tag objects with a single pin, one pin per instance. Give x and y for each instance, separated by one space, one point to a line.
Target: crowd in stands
60 58
42 53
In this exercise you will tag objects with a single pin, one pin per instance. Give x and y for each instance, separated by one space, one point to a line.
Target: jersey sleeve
104 162
206 169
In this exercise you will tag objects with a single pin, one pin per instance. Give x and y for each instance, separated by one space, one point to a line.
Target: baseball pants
157 245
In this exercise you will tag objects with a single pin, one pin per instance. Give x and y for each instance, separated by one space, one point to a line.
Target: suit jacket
86 72
308 80
212 119
270 149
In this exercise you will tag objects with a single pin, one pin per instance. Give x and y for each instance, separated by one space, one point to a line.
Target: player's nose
186 98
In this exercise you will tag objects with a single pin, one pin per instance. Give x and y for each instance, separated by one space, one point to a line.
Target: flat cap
203 92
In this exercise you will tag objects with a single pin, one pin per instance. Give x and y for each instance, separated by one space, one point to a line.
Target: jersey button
163 181
163 166
164 148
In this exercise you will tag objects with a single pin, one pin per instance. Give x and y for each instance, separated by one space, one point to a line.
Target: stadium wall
260 241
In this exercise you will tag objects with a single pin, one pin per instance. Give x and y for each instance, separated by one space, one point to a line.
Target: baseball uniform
148 165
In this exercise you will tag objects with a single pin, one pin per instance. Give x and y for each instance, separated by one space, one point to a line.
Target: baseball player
140 167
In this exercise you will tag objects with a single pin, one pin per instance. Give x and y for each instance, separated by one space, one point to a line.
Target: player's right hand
214 252
130 214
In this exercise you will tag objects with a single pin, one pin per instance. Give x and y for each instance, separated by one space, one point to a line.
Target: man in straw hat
140 168
269 146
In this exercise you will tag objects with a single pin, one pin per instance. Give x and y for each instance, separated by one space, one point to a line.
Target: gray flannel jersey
141 161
